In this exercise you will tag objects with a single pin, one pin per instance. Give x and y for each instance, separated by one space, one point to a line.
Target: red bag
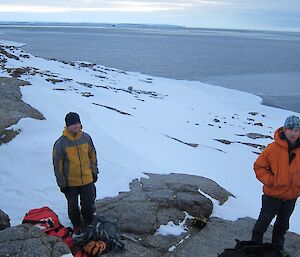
43 218
47 220
81 253
64 233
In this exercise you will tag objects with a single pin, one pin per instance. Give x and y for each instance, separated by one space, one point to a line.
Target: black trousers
272 207
87 195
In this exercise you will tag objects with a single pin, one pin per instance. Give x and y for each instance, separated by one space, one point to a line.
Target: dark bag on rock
252 249
105 229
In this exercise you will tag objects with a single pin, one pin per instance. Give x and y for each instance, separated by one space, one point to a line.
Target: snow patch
173 229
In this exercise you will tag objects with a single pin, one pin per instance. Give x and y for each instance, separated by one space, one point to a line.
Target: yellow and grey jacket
74 159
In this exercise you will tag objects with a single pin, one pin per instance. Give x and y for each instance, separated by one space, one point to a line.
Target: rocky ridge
172 199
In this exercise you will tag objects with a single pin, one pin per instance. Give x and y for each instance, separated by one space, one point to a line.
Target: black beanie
72 118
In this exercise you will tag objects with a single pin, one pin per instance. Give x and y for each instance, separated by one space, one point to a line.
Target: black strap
67 234
34 222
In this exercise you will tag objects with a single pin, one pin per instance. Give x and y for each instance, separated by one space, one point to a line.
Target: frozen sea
265 63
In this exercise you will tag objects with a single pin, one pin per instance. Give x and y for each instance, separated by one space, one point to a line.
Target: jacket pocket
296 179
282 178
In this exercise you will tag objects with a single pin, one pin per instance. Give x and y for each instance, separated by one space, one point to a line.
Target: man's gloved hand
95 177
64 189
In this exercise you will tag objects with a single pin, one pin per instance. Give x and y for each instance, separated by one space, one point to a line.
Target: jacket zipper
289 169
79 160
291 172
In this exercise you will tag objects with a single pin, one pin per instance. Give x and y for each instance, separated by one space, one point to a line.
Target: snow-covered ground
135 130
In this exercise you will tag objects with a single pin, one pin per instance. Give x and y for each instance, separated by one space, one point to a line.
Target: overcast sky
238 14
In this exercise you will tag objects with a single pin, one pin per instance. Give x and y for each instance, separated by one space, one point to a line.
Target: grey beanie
292 122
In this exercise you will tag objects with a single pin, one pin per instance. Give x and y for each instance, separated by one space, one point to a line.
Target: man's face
292 134
75 128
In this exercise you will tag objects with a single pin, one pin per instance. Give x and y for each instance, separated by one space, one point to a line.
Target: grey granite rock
12 108
4 220
156 200
220 234
29 241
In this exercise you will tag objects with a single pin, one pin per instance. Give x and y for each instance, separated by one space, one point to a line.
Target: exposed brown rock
253 113
7 54
12 108
255 135
4 220
258 124
113 109
180 141
224 141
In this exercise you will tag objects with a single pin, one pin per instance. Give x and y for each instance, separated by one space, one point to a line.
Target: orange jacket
280 176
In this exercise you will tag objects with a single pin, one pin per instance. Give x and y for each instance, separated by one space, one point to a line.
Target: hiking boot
76 232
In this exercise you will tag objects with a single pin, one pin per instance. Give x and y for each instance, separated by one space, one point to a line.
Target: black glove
95 177
64 189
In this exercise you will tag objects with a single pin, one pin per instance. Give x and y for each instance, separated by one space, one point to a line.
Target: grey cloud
105 2
266 5
111 4
232 4
218 13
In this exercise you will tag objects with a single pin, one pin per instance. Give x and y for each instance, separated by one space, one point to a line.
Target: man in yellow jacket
278 168
76 170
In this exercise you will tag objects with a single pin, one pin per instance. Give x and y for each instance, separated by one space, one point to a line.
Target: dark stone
194 203
257 146
224 141
167 214
180 141
4 220
7 135
253 113
17 72
258 124
54 80
255 135
7 54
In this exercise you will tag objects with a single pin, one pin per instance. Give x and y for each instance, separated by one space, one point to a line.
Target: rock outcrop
156 200
4 220
12 108
160 199
150 203
219 234
29 241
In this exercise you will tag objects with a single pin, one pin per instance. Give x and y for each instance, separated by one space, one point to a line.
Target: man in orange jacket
278 168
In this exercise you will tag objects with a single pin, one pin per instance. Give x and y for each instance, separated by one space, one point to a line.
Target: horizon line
144 24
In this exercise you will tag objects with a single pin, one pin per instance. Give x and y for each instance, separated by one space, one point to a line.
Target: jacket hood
70 135
280 138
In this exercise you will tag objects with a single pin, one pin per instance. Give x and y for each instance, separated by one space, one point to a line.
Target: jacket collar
70 135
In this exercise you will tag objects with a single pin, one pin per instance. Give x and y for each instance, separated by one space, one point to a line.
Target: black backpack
252 249
105 229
